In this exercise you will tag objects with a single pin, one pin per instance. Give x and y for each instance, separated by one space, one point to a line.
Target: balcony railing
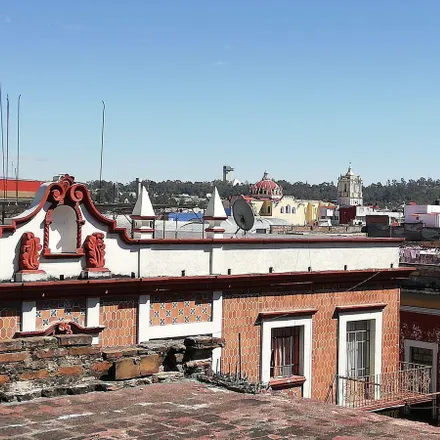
411 383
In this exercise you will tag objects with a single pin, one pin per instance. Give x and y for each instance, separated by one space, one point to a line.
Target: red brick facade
119 316
240 313
10 318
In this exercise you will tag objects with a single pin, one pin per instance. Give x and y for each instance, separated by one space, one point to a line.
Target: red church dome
266 187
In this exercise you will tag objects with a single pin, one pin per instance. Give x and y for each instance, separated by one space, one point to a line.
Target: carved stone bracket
29 259
94 248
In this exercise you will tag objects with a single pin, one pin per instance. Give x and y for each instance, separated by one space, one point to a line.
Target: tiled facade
119 316
10 318
51 311
240 313
180 308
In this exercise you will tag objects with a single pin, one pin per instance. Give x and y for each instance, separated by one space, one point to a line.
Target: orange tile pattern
119 316
180 308
52 311
240 312
10 319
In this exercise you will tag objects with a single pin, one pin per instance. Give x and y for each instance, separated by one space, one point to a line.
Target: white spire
215 207
143 206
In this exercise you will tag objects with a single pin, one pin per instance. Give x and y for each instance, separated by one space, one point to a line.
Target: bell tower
350 189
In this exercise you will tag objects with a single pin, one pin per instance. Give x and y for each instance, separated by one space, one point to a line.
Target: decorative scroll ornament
64 192
95 250
29 252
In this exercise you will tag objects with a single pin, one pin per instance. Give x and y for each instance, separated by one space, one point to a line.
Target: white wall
205 258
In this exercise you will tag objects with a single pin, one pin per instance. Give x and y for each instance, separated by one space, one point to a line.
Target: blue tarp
184 216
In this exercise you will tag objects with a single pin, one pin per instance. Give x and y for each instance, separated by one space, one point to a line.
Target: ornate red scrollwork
65 192
95 250
29 252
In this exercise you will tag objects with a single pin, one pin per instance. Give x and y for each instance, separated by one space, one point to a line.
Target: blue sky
299 88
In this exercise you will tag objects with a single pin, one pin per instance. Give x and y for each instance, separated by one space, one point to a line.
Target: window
268 209
421 356
288 209
285 352
282 210
293 210
358 349
286 349
423 353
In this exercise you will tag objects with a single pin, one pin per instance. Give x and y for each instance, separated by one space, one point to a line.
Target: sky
299 88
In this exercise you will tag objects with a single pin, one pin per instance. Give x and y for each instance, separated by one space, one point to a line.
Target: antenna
102 151
3 151
243 215
18 147
7 144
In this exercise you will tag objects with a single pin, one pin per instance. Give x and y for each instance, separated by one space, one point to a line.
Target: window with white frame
423 353
359 347
286 349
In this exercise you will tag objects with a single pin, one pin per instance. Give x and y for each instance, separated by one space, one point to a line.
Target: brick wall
36 365
119 316
10 319
240 312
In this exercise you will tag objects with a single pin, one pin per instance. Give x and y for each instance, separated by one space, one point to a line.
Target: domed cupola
266 188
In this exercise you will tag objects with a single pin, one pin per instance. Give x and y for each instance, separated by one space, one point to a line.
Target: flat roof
191 410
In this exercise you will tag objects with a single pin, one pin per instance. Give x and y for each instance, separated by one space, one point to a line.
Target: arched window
288 209
282 210
293 210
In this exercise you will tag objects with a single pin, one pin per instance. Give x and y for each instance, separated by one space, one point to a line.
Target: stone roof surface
190 410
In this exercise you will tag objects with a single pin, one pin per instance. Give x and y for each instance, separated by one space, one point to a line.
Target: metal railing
411 381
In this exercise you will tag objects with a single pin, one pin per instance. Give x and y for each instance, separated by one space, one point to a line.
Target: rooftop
190 410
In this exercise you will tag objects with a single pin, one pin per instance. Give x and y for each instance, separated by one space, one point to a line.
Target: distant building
268 200
12 189
428 215
350 189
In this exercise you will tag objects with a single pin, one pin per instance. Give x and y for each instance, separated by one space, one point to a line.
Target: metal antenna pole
7 143
18 147
3 153
102 151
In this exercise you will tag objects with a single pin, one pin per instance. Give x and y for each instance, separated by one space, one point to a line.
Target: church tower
350 189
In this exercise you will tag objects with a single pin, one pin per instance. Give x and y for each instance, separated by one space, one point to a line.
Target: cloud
219 63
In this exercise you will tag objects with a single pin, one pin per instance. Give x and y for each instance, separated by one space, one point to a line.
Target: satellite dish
243 215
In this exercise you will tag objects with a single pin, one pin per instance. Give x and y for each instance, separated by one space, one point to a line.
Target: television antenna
243 215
